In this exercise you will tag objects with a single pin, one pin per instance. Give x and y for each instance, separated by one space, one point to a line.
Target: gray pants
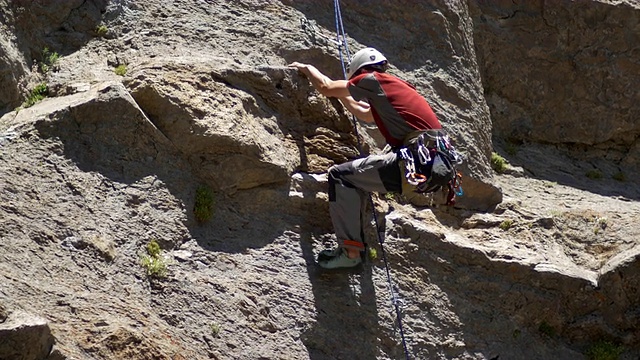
349 184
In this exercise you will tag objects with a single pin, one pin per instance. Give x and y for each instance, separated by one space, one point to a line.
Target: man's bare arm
359 109
322 83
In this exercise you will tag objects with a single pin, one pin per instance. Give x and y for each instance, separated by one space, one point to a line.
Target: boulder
25 336
619 282
250 127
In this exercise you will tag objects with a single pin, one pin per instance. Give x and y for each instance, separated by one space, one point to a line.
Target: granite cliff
151 106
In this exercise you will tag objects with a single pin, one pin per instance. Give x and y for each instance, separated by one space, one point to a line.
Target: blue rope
341 38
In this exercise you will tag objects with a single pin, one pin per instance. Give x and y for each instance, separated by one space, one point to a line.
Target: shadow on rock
516 310
581 167
346 325
61 27
104 131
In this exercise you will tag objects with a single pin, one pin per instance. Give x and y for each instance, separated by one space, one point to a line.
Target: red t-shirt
396 106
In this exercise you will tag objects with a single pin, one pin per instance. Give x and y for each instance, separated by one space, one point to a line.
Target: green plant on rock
203 207
38 93
120 70
601 224
153 248
604 350
153 262
619 176
555 213
215 329
516 333
506 224
594 174
498 163
101 30
49 60
546 329
511 148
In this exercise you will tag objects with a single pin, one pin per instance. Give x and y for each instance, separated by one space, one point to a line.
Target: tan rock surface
89 176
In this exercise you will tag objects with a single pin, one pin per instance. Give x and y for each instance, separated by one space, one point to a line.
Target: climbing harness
341 43
430 162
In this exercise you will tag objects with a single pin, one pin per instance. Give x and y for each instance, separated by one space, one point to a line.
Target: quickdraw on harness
430 164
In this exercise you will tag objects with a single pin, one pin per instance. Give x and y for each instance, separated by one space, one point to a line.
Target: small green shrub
156 267
49 60
121 70
511 148
555 213
594 174
154 263
619 176
546 329
604 350
498 163
153 248
601 224
101 30
373 253
215 329
38 93
506 225
203 207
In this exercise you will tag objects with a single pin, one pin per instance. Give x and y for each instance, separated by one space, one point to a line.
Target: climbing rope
341 41
343 49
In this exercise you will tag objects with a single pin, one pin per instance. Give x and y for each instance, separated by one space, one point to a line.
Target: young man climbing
398 110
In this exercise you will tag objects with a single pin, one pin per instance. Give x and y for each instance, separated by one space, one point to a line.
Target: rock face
441 62
253 127
30 27
523 268
561 72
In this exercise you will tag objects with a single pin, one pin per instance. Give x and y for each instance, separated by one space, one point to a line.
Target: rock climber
398 110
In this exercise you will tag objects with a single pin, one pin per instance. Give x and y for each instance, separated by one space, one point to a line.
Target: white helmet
364 57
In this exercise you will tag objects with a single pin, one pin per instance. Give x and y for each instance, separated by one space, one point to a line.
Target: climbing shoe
336 259
328 254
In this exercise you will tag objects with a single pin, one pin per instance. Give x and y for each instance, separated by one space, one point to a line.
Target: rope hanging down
341 40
